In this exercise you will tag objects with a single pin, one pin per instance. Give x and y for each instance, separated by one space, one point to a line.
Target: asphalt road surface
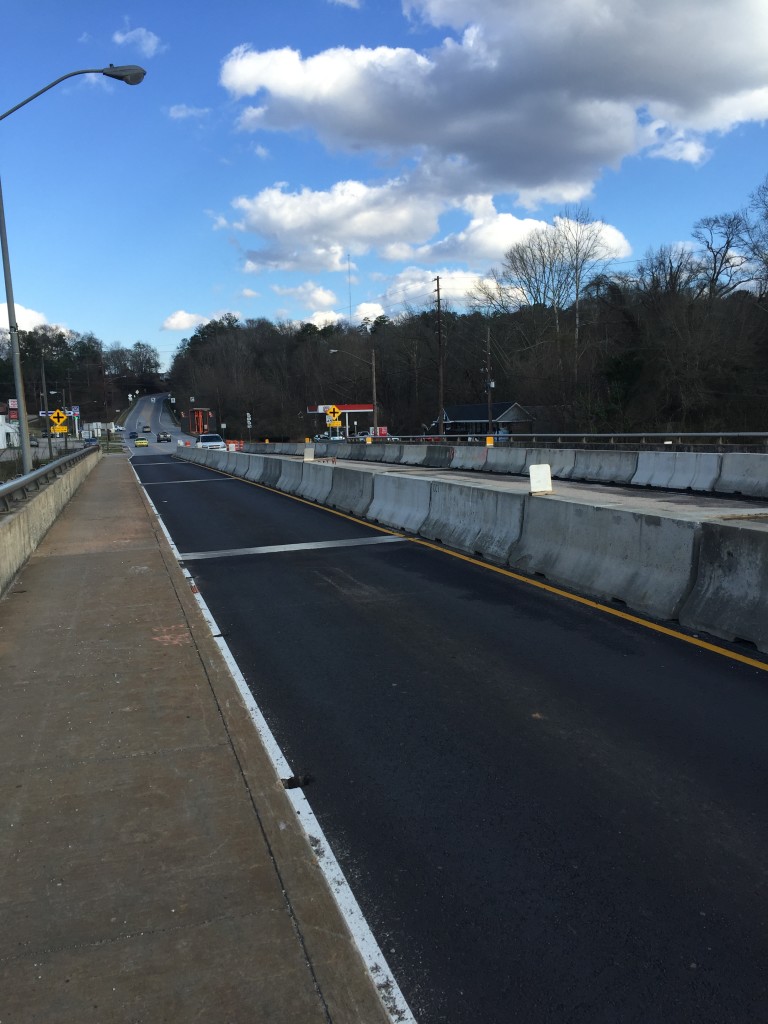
548 815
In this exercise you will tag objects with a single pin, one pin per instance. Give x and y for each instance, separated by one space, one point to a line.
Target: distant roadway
548 815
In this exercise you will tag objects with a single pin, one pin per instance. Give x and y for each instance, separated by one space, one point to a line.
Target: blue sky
312 159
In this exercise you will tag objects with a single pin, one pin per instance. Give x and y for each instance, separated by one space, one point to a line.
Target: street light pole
13 330
131 74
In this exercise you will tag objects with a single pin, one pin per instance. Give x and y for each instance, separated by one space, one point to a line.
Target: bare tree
533 273
723 264
587 255
754 238
549 272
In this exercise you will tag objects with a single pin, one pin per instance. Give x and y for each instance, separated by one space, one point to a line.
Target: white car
211 441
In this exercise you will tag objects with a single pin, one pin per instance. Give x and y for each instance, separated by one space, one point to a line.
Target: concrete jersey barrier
645 561
730 597
474 519
608 467
469 457
561 461
316 481
400 501
255 468
506 460
291 473
743 473
679 471
351 490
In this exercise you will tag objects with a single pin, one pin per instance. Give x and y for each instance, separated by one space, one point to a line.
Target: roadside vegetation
675 341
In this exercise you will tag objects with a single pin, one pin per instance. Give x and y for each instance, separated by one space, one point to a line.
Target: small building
9 428
506 417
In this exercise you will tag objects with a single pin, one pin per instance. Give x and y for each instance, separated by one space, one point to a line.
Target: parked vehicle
211 441
377 435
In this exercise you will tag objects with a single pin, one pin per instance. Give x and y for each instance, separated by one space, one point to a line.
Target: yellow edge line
647 624
606 609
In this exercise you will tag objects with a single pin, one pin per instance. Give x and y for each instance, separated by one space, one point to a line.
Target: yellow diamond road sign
58 417
333 411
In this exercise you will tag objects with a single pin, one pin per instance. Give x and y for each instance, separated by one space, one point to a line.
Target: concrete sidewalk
154 870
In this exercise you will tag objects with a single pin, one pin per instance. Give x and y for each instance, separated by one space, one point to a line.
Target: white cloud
180 111
249 293
308 294
316 230
679 146
487 235
530 102
183 321
367 311
416 288
26 319
146 42
521 98
346 3
324 319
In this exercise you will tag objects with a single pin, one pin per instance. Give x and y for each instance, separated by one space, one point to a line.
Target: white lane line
272 549
392 999
200 480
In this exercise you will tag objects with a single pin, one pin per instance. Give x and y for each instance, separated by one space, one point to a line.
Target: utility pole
490 383
68 388
440 365
45 403
373 389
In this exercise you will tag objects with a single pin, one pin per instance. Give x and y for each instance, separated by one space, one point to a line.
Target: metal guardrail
722 437
20 488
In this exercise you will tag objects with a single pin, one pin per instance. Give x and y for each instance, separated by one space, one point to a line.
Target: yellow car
141 442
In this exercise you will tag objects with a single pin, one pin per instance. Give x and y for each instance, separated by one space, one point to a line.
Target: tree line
78 369
678 342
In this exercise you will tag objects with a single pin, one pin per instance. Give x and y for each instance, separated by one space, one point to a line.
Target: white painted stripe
392 998
272 549
199 480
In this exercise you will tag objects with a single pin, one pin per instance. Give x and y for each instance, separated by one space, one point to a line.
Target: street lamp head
131 74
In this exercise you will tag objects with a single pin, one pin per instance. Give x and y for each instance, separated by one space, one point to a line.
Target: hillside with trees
679 342
78 369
